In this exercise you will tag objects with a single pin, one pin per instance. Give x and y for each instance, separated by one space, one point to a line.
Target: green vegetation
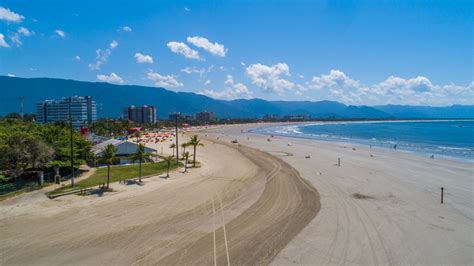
168 161
195 142
173 147
108 157
27 148
186 158
142 157
118 173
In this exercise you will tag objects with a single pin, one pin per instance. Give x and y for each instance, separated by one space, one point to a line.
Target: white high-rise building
83 111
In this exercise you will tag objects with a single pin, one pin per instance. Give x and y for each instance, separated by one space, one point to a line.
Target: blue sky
356 52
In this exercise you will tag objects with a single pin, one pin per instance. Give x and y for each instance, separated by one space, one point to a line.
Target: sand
241 207
258 202
379 209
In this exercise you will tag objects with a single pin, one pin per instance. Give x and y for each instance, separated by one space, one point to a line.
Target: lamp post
71 143
176 130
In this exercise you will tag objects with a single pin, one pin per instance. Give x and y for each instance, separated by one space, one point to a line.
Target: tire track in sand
287 204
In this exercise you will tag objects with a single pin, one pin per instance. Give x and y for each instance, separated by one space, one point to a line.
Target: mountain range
111 99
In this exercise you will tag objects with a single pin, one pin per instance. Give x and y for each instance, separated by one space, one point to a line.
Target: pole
21 106
442 195
339 162
71 143
177 147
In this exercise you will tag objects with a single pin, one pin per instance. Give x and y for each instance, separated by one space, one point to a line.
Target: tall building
205 116
174 116
83 111
140 114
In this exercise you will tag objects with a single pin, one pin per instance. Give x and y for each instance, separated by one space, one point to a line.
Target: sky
355 52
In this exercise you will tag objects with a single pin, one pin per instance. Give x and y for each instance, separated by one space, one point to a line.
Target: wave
416 137
454 148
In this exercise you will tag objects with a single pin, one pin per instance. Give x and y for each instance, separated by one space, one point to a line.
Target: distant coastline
423 139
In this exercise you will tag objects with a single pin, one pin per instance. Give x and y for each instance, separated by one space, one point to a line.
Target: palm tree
137 134
141 156
168 160
195 142
108 156
184 145
173 146
186 157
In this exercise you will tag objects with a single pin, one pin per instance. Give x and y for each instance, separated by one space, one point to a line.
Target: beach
396 217
263 200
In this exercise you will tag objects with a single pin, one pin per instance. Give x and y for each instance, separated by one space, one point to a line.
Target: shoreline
360 142
378 207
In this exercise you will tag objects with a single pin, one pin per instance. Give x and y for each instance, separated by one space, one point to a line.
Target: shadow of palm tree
133 182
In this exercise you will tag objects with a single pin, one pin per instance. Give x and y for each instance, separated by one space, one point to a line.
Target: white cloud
394 90
187 9
207 82
25 32
190 70
269 77
201 71
11 75
112 78
113 44
213 48
60 33
166 81
126 29
10 16
141 58
102 56
77 58
242 64
336 78
16 39
232 90
3 43
183 49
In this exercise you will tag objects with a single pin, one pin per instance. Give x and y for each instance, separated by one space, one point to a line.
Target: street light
71 143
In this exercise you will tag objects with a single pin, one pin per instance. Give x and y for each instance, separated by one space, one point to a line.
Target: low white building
124 149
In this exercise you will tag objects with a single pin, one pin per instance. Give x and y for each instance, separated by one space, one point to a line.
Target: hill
112 98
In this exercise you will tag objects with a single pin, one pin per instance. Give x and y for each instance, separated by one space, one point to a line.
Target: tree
186 157
141 156
195 142
108 156
168 160
184 145
137 134
173 146
14 154
39 152
26 145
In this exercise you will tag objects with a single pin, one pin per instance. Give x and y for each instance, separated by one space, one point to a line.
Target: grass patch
118 173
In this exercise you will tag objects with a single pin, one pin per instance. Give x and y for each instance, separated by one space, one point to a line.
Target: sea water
437 138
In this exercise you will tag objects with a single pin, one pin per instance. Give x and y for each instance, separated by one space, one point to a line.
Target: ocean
453 139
